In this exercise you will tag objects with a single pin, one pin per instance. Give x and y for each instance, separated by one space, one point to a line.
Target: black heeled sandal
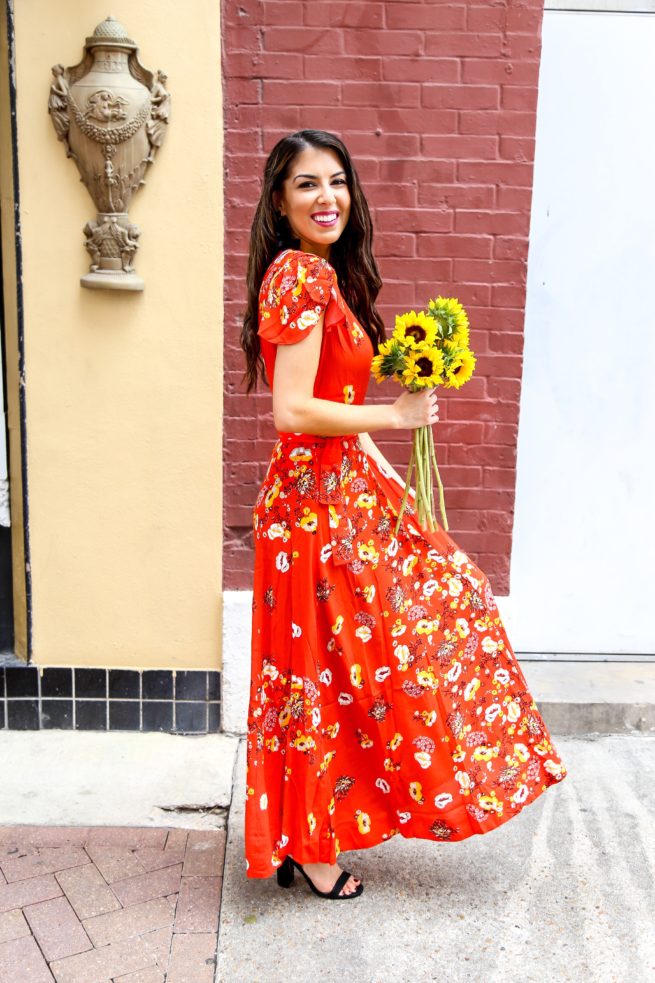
285 874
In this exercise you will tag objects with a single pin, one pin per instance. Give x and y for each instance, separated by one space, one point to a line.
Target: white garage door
583 561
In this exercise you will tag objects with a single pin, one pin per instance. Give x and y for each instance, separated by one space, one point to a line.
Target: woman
385 696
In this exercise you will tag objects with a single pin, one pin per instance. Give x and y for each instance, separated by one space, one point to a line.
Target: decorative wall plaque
111 115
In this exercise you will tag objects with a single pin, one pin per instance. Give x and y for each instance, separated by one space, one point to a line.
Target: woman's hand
419 409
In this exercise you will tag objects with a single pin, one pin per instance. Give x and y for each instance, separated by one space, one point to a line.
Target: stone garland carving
111 115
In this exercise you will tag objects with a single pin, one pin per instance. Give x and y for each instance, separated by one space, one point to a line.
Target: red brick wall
436 103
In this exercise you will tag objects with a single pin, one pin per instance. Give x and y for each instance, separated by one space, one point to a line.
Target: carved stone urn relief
111 115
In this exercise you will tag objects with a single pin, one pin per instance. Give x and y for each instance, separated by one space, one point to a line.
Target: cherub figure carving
58 106
159 115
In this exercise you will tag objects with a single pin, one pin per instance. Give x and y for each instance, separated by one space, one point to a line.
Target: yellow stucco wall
124 391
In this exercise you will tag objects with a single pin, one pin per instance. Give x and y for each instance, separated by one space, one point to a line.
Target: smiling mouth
326 218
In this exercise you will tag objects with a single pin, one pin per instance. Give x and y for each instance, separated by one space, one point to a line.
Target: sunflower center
416 332
425 366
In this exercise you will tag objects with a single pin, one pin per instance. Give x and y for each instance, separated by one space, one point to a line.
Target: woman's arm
297 410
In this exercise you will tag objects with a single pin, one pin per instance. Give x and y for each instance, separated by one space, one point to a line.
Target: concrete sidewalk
563 892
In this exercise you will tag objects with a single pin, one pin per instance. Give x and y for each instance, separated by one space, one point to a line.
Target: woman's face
315 199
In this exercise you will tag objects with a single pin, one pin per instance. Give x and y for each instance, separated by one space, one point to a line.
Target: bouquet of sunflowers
427 349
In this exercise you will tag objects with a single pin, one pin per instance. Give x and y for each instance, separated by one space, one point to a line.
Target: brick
517 148
116 959
366 69
151 975
127 923
465 43
380 93
114 862
28 839
285 93
205 853
21 961
420 69
385 144
461 146
13 925
281 12
56 928
128 836
87 891
198 904
193 957
30 891
490 222
516 174
429 16
394 244
395 44
521 97
510 247
491 271
414 220
486 18
479 246
144 887
461 96
361 15
478 71
46 861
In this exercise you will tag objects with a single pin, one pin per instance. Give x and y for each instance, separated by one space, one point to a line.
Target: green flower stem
442 503
410 468
426 517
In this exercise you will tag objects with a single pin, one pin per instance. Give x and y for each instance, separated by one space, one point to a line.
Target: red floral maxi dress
385 697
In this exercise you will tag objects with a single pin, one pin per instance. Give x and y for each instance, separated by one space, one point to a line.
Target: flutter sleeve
294 295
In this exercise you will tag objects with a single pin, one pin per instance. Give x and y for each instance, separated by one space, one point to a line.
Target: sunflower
389 360
423 369
460 370
451 317
415 329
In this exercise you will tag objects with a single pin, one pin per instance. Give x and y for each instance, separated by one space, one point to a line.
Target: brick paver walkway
109 904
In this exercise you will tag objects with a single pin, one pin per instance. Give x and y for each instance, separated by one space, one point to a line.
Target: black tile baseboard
81 698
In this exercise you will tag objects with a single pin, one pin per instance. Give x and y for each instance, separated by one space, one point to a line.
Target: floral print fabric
385 697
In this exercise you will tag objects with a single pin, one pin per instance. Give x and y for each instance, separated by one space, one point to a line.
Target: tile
205 852
90 715
155 884
23 714
193 958
114 862
115 959
213 686
191 718
21 961
87 891
213 718
198 904
129 922
13 925
57 682
124 715
157 684
57 714
56 928
31 891
45 861
190 685
23 681
124 684
90 683
157 716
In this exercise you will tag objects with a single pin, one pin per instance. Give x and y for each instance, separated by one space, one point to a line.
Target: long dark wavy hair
351 255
